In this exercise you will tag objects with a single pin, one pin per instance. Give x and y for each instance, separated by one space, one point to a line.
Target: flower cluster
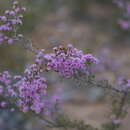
28 93
7 90
29 90
10 22
32 89
69 61
31 94
125 7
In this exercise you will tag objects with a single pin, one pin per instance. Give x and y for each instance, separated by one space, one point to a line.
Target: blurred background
90 25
